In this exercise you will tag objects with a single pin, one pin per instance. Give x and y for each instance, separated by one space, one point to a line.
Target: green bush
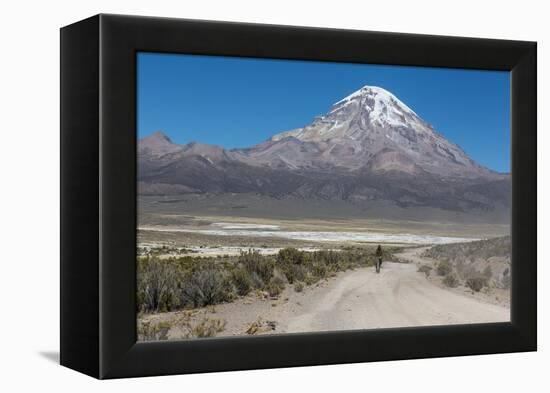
443 268
156 285
476 284
205 287
311 279
329 257
451 280
319 270
257 281
152 331
291 255
184 281
208 327
257 264
242 281
275 286
294 273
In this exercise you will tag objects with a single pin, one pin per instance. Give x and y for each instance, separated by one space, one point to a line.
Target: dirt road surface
399 296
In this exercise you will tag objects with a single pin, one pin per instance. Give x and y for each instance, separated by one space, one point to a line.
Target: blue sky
238 102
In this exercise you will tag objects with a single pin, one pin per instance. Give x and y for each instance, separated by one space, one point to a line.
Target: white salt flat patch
405 238
343 236
229 225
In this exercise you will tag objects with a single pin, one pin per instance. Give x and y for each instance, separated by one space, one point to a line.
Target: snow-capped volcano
371 128
373 105
381 107
369 148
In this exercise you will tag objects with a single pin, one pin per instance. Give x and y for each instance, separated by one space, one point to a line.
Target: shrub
257 282
294 272
255 263
156 284
328 257
242 281
189 282
293 263
426 269
443 268
319 270
476 283
451 280
299 286
208 327
152 331
261 326
204 287
291 255
275 286
311 279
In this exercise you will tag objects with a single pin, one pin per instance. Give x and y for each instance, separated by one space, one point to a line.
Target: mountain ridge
369 146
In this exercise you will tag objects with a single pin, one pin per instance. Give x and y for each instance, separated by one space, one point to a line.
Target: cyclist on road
378 258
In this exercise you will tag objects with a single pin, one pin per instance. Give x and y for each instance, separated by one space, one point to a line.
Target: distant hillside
369 148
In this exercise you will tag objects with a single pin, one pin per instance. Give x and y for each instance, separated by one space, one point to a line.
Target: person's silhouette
378 258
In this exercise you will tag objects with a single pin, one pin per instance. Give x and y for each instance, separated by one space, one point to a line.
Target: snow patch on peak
362 92
382 98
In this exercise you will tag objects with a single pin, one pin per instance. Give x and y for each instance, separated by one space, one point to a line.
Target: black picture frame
98 196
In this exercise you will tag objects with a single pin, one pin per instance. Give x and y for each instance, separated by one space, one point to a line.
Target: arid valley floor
411 290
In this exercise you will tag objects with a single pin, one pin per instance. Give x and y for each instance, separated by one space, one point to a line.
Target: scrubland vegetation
472 264
176 283
190 282
483 249
151 330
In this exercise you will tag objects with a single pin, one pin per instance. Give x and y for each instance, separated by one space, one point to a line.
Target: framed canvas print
239 196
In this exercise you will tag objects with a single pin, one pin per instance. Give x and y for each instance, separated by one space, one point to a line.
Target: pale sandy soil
361 299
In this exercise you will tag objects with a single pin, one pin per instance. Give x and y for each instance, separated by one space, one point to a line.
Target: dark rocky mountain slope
369 147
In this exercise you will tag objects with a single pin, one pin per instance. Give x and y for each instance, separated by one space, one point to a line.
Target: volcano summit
369 149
